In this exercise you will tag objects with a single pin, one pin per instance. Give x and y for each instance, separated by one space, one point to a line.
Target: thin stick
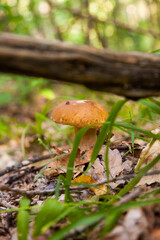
52 191
25 163
130 196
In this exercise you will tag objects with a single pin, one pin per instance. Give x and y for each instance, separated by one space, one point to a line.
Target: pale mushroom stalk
88 140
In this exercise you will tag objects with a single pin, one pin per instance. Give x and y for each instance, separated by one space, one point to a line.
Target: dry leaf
5 160
97 171
59 165
136 223
58 151
118 233
135 226
99 190
150 153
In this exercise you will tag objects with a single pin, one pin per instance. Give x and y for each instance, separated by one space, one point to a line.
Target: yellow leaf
99 190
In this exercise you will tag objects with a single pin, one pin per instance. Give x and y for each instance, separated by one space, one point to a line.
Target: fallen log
130 74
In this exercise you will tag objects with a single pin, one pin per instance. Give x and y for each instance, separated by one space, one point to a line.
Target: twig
125 148
40 158
128 176
130 196
26 163
5 204
48 156
52 191
27 193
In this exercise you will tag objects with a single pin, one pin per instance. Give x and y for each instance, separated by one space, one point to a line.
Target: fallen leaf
118 233
98 172
99 190
58 151
135 226
149 153
59 165
82 159
5 160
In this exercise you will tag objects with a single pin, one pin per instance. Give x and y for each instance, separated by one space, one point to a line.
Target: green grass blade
22 141
41 172
44 118
111 221
23 220
136 136
57 188
57 191
44 145
23 225
137 178
106 159
156 51
152 105
84 221
156 191
72 157
107 126
48 214
136 129
132 138
113 114
113 214
144 156
140 118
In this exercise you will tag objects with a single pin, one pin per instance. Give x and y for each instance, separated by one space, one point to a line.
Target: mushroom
81 113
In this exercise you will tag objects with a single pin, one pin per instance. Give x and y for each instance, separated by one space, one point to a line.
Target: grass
82 214
108 210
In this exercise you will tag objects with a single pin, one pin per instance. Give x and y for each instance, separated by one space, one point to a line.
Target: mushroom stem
88 140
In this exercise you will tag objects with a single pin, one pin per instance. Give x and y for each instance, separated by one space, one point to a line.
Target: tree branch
133 75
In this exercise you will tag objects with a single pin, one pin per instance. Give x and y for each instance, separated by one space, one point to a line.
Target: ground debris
136 223
148 154
122 161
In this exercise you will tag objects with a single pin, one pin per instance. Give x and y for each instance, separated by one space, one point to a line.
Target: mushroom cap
79 113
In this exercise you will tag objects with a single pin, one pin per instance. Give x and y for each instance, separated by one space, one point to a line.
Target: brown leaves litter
133 224
97 171
59 163
149 153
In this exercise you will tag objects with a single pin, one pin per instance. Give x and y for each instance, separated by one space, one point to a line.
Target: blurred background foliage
116 24
125 25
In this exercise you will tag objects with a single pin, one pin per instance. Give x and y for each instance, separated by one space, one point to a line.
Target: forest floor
23 156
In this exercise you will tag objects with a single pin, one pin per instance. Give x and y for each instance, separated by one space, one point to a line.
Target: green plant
81 214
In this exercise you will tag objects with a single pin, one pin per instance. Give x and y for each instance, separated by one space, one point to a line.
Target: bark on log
133 75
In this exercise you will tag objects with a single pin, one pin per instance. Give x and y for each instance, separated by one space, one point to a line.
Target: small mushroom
81 113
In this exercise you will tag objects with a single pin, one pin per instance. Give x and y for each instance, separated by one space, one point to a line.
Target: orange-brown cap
79 113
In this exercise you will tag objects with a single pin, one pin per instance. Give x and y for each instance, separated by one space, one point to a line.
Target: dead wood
133 75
